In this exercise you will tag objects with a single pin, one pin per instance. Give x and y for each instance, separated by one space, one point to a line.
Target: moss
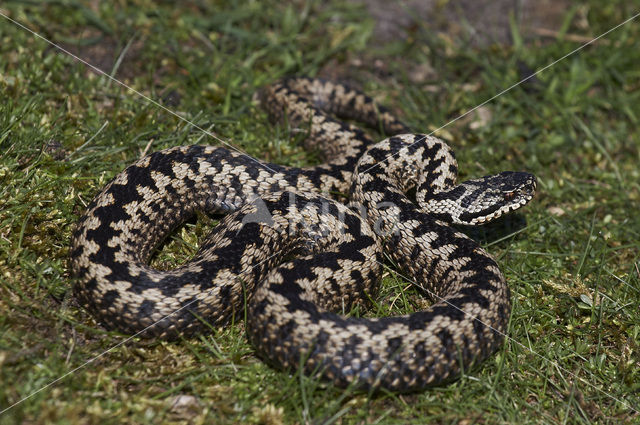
571 257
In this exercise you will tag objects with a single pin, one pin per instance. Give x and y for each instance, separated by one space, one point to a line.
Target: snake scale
295 259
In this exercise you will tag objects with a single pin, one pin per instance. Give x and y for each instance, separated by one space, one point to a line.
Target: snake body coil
277 211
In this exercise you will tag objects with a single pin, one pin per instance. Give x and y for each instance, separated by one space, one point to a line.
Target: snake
297 248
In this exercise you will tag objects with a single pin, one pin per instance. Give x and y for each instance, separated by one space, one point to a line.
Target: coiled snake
274 212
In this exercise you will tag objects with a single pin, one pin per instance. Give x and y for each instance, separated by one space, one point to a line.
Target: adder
295 257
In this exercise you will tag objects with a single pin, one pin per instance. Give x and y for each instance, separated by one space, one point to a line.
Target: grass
574 339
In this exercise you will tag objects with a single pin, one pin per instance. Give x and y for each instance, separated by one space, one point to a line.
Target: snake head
487 198
481 200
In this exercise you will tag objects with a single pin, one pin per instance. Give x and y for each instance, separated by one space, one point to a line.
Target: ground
571 258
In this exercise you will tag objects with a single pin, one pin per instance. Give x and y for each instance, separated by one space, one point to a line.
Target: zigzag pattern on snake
338 250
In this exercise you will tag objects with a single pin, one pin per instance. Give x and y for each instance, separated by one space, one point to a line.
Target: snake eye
509 196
